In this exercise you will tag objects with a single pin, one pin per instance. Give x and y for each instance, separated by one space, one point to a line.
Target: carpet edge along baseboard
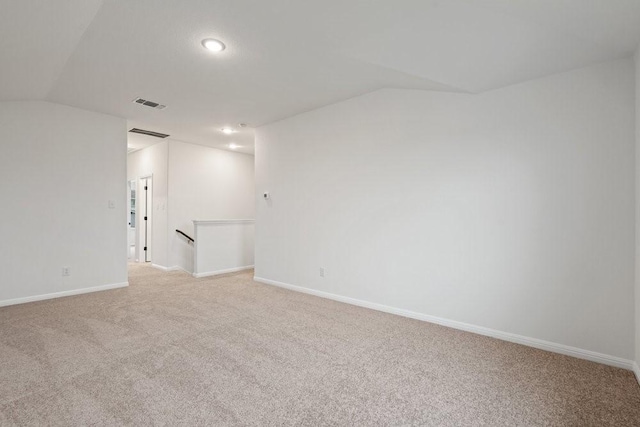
566 350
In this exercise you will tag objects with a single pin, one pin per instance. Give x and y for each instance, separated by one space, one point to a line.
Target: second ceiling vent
149 133
151 104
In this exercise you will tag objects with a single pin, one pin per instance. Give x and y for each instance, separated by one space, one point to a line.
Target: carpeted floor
171 349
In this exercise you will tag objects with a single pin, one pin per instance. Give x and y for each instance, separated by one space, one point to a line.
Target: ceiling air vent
149 132
149 104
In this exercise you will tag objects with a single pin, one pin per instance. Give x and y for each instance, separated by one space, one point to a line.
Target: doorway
131 220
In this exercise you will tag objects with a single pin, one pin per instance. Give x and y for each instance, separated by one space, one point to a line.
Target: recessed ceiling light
213 45
227 131
233 146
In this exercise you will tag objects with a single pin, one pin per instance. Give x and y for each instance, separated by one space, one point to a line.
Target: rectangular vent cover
149 132
149 104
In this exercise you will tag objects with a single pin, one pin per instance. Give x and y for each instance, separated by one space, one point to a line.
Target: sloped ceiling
285 57
36 40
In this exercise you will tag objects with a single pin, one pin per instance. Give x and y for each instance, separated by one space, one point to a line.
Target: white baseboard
636 370
217 272
174 268
505 336
62 294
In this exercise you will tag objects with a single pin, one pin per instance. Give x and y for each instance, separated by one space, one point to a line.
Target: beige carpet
171 350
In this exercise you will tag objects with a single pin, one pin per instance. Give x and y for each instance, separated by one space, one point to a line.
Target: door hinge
146 188
145 248
145 218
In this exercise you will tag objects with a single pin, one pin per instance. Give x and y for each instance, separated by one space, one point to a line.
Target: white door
145 208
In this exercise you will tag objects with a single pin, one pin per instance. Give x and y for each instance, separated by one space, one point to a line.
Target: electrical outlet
321 271
66 271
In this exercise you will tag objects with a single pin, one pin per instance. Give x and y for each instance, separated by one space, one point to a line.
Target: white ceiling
285 57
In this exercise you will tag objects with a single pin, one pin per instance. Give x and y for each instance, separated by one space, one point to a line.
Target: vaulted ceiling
285 57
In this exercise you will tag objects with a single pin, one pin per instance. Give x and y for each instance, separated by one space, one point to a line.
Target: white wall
205 183
223 246
511 210
59 168
153 161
